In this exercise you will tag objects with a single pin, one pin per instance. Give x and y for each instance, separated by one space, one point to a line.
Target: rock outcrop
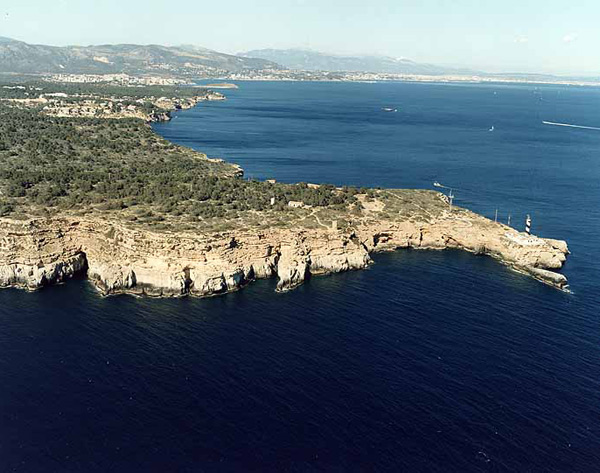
119 259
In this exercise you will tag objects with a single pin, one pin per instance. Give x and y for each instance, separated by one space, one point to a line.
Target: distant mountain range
193 62
308 60
20 57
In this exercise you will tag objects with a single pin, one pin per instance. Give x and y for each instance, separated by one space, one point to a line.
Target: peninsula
87 188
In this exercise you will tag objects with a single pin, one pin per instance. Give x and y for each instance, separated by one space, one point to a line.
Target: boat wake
571 126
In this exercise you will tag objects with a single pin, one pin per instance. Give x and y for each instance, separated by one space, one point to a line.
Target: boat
389 109
492 128
437 184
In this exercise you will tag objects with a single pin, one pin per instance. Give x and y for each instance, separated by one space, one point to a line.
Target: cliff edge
118 259
87 187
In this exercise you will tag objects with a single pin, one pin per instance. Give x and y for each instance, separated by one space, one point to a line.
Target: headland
88 188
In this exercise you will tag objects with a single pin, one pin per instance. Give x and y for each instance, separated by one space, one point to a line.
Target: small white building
295 204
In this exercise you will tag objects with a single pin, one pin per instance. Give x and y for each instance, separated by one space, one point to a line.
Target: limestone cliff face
119 259
319 252
535 256
36 255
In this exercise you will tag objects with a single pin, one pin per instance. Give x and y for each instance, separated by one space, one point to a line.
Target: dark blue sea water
428 361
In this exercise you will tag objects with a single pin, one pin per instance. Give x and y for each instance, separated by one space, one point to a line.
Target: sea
427 361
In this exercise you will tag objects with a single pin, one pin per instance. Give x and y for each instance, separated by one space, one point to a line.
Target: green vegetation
32 89
53 165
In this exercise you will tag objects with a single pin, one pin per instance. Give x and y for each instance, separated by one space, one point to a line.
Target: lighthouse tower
528 225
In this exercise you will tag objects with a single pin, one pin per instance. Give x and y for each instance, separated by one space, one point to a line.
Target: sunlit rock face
119 259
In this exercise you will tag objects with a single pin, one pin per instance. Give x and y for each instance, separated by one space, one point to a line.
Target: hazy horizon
503 37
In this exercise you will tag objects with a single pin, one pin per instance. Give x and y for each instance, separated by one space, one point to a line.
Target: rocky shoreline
123 258
118 259
91 106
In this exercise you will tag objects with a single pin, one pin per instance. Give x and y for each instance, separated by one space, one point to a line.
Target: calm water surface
428 361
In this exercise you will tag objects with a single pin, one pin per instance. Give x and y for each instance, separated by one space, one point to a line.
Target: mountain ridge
21 57
310 60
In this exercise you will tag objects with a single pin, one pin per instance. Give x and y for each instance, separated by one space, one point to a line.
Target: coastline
119 259
369 79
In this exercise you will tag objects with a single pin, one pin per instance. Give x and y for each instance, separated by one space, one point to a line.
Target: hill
20 57
308 60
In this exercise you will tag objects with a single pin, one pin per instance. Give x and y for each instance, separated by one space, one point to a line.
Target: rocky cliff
119 259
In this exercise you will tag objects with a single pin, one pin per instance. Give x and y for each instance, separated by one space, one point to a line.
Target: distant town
293 75
155 65
185 78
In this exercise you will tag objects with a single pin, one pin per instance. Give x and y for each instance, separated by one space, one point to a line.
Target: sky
546 36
